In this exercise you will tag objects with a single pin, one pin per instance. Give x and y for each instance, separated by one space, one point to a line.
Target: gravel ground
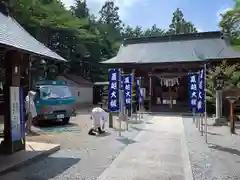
217 160
82 157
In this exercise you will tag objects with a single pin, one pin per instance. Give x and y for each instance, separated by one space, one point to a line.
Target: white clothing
30 105
98 115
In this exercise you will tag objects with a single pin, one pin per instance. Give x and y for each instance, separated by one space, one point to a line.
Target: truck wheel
65 120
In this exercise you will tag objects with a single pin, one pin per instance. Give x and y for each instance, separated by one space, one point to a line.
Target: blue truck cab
54 101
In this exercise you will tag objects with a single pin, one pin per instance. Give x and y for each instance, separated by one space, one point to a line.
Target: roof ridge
175 37
71 78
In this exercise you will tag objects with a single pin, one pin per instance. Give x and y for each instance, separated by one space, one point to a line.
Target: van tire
65 120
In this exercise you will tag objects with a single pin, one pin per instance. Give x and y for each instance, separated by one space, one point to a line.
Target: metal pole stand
194 115
120 128
206 125
142 109
197 120
126 120
202 124
110 125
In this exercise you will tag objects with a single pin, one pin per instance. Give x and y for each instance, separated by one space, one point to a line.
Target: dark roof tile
78 79
176 48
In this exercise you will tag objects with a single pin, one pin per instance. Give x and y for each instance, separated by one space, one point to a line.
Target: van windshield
53 92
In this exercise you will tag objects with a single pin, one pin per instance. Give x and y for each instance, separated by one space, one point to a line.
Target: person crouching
99 118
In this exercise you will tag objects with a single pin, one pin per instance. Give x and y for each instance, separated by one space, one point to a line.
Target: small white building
81 88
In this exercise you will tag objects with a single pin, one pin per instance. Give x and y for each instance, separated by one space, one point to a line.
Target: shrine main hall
165 61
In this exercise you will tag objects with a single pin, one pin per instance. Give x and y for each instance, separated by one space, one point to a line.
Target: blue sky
203 13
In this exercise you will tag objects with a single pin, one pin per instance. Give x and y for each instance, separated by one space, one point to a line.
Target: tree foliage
81 38
232 79
179 25
230 24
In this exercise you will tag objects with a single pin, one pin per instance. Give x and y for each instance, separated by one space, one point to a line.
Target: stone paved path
219 159
82 157
158 153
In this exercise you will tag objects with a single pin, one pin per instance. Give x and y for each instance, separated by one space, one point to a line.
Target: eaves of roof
196 47
13 35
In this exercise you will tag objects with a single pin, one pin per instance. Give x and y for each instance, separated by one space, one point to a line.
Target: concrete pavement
219 159
159 152
34 151
82 157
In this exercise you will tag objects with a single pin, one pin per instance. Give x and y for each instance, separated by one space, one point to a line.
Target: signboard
201 92
139 90
127 87
192 89
17 113
113 92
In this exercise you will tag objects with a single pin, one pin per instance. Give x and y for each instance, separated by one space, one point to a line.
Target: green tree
139 32
154 31
179 25
230 25
127 32
109 14
110 26
232 79
80 9
57 28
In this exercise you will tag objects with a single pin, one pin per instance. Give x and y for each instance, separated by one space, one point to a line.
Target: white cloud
68 3
95 5
222 11
199 30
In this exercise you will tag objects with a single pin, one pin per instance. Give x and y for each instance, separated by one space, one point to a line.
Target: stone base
222 121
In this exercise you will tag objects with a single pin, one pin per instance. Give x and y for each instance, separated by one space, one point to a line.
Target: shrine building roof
14 36
194 47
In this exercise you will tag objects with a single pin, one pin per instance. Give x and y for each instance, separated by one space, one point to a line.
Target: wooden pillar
14 123
170 96
150 91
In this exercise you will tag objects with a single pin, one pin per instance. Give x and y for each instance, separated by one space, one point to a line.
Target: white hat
32 93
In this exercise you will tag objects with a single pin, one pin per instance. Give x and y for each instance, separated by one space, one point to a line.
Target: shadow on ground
104 134
140 129
169 114
50 168
32 133
57 127
126 141
214 134
225 149
42 124
136 121
149 123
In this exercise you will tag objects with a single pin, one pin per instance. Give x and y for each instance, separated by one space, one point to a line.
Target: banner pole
194 114
202 117
199 122
120 103
141 94
131 109
205 113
